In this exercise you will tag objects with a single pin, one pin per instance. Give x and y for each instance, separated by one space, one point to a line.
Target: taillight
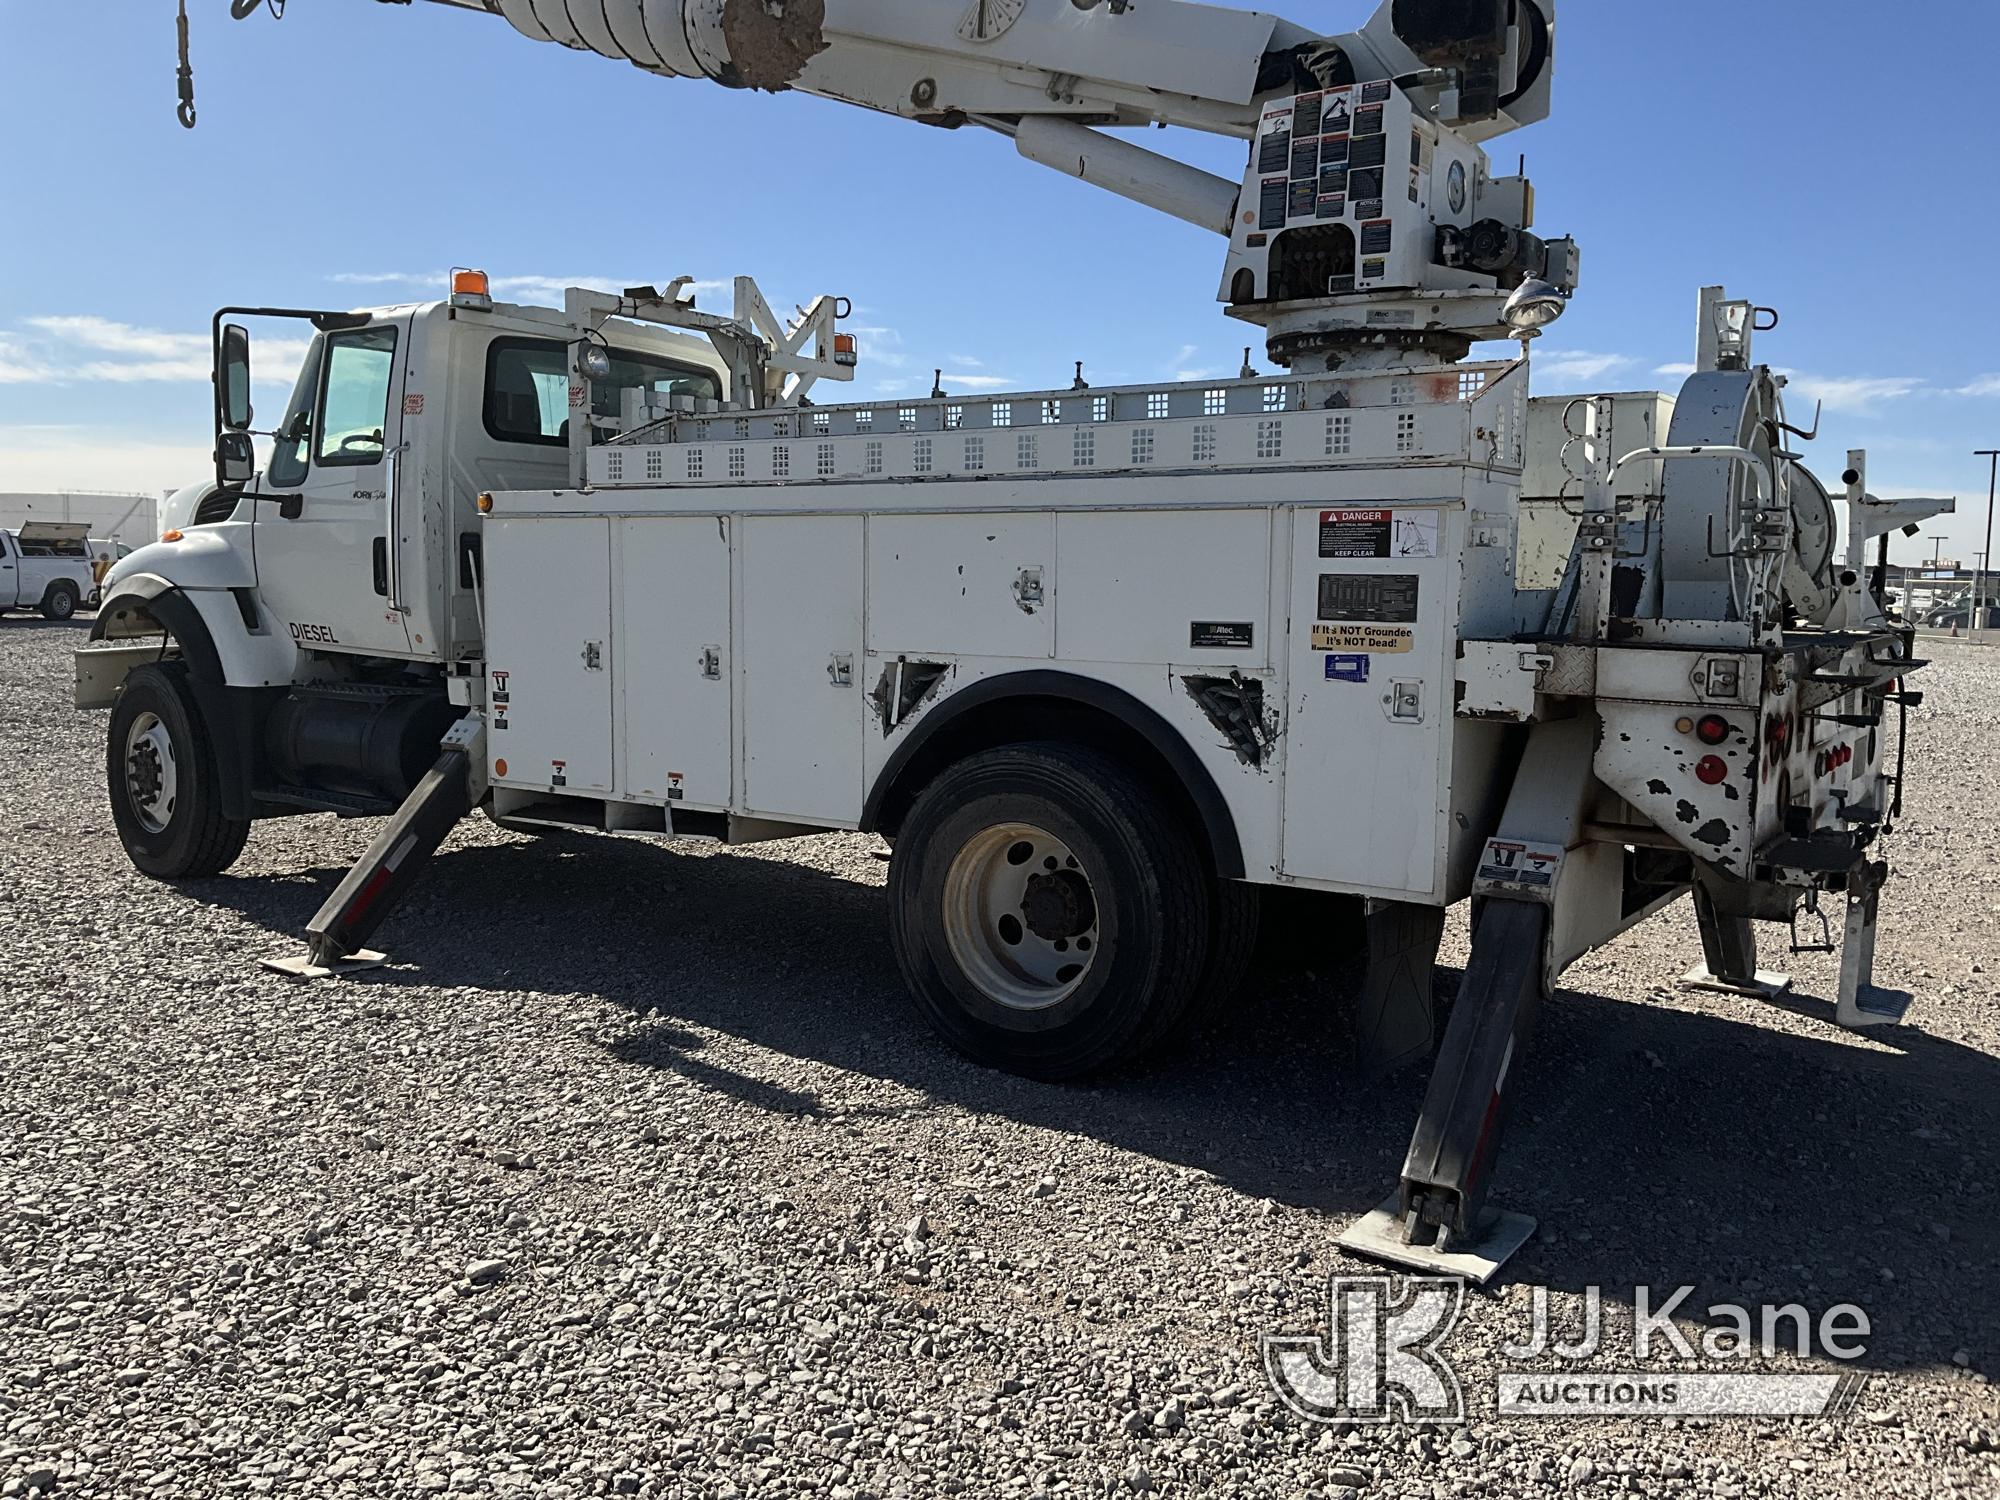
1711 770
1711 729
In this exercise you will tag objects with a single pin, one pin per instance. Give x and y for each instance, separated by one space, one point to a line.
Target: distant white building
129 518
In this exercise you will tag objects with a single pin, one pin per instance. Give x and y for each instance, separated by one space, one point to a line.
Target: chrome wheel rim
1021 916
152 781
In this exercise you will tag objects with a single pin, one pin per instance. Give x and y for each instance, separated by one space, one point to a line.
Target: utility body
1106 666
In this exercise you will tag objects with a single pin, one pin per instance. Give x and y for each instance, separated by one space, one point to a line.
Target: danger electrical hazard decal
1378 533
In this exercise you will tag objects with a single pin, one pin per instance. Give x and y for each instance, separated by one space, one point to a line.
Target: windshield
288 455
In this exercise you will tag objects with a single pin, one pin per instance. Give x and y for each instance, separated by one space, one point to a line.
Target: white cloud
1580 365
979 382
1678 370
1852 393
1985 385
36 458
879 344
965 361
48 356
19 365
123 338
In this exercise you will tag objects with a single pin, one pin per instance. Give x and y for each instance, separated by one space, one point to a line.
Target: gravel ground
635 1175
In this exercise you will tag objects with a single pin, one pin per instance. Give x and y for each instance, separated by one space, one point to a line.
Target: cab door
328 564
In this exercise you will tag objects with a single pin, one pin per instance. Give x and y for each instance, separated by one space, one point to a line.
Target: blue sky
1830 158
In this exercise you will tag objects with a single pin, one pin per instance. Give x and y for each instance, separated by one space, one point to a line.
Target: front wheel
1048 911
166 789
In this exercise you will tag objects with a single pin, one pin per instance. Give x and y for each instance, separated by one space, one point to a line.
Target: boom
1339 268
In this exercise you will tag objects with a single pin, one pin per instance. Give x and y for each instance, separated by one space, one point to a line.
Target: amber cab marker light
485 505
470 284
499 768
170 536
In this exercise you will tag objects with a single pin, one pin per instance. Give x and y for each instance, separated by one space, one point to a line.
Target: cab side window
354 401
528 388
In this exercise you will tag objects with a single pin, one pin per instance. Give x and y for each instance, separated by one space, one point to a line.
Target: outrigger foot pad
1872 1005
369 892
1380 1235
1766 984
306 966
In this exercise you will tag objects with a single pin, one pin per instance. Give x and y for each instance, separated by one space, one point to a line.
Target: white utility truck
1103 665
45 566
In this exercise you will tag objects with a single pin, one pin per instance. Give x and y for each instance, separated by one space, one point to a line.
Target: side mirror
235 459
233 378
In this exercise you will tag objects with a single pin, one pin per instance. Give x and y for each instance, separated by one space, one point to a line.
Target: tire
59 603
1102 951
166 790
1235 914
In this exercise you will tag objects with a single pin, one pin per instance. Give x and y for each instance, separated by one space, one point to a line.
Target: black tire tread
1235 913
217 839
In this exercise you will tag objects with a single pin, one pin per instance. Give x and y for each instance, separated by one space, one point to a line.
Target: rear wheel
1049 913
166 790
59 603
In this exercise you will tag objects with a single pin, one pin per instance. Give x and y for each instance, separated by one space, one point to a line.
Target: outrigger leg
1438 1219
1862 1002
370 891
1729 951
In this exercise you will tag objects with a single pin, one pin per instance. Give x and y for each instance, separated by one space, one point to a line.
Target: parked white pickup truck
46 565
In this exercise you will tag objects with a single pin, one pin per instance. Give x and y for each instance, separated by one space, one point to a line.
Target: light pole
1979 576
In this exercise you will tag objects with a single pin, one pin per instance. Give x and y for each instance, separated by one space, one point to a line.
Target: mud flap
1438 1220
1394 1012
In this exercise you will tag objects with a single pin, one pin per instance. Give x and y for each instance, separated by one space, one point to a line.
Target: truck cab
317 596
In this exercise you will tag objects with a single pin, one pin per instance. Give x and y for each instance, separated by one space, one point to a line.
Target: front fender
234 668
208 557
224 634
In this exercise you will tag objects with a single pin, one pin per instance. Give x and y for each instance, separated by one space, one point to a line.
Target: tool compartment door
1373 601
674 671
799 665
548 652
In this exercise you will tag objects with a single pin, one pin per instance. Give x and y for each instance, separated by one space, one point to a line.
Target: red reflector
1710 769
1711 729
